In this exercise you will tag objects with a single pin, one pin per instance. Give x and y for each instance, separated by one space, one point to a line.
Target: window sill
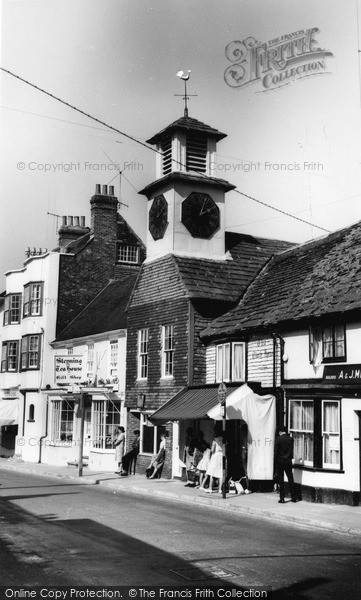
31 420
317 469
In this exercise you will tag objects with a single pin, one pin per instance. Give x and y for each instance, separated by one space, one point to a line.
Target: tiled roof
318 278
107 312
180 176
188 124
202 278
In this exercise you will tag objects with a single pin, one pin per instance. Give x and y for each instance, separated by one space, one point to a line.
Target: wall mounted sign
348 374
275 63
68 369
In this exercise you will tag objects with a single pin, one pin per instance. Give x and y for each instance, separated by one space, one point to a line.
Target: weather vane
186 96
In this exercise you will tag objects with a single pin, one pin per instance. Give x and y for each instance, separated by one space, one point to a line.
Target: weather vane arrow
185 77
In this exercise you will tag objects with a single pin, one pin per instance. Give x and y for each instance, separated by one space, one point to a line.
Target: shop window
331 433
315 427
167 350
30 352
9 356
301 427
62 420
150 435
12 309
33 299
106 417
327 344
143 341
230 362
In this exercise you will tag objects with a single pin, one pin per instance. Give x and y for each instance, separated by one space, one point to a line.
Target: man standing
283 461
131 456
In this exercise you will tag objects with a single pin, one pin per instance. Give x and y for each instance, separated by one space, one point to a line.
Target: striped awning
189 403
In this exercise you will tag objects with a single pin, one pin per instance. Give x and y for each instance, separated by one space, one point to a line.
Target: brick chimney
71 229
104 210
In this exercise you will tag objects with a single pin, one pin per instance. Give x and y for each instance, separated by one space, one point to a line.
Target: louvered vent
196 156
166 146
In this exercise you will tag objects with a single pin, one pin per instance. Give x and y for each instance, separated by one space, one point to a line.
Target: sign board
342 374
222 391
68 369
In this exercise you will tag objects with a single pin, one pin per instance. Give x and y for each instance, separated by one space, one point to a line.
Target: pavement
332 517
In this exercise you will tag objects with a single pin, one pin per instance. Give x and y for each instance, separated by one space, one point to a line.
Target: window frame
60 406
321 329
131 253
29 300
225 362
25 353
9 309
102 431
167 353
143 356
113 357
90 349
158 431
318 427
6 356
303 430
324 433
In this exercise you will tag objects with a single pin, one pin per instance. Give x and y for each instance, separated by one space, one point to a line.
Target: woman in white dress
215 467
119 447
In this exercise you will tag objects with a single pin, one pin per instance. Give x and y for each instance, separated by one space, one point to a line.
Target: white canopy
259 412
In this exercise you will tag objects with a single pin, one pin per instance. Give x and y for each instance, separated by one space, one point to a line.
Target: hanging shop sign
349 374
68 369
275 63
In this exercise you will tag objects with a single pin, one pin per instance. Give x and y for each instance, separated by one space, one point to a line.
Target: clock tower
186 202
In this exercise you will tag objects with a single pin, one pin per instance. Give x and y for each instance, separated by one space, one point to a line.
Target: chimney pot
70 220
76 221
105 190
27 251
64 221
111 190
82 221
97 188
33 252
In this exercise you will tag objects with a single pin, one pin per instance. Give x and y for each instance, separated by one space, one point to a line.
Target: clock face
200 215
158 217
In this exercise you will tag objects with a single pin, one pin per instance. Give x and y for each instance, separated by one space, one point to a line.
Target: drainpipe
278 336
46 431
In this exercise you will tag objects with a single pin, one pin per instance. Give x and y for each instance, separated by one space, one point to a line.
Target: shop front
83 422
9 410
250 420
324 421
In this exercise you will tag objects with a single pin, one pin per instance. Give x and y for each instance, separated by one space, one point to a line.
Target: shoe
247 492
294 500
281 502
124 474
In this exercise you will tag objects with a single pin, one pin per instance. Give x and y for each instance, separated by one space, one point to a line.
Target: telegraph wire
89 116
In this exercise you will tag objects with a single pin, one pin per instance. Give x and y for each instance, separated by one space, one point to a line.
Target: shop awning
189 403
9 412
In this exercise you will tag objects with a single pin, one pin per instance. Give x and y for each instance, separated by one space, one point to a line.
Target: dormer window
128 254
327 344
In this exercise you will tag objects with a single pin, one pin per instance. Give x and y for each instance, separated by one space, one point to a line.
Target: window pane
226 362
339 341
331 433
219 361
327 343
238 362
301 426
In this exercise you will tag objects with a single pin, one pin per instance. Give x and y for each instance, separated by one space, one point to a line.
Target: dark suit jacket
284 449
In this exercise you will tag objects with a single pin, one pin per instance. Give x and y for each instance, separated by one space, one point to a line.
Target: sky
295 146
